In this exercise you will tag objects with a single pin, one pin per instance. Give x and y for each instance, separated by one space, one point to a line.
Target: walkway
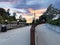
45 36
20 36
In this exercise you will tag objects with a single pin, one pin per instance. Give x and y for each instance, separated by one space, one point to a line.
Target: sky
28 6
35 4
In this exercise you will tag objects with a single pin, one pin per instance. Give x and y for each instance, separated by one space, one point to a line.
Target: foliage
42 18
6 15
37 21
22 20
55 22
33 21
8 12
51 12
3 14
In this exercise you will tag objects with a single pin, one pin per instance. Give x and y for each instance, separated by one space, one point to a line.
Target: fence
12 26
53 27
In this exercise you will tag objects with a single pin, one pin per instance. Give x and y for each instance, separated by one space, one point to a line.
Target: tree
42 18
50 6
8 12
24 20
1 18
51 12
20 17
37 21
33 21
3 14
20 20
14 14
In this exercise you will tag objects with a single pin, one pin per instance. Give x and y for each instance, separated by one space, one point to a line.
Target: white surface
20 36
56 17
54 28
45 36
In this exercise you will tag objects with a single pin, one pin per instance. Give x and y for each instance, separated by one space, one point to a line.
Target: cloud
35 4
5 5
40 11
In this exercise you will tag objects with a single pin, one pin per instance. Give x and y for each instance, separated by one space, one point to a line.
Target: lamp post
6 22
34 17
33 31
17 22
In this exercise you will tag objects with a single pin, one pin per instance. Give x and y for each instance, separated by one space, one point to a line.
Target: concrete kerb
53 28
32 34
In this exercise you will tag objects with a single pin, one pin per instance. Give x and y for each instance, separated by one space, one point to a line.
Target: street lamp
17 22
6 22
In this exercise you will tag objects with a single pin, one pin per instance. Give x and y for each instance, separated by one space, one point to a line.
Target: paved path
20 36
45 36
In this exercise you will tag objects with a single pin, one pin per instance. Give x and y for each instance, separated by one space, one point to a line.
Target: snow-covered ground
20 36
45 36
54 28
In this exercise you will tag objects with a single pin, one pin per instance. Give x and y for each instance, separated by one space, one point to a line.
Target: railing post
32 35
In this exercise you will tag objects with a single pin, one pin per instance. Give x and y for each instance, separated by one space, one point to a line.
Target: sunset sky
26 7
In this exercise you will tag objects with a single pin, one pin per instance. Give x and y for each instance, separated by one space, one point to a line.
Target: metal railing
54 28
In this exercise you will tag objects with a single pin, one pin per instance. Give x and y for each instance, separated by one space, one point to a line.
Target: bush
55 22
37 21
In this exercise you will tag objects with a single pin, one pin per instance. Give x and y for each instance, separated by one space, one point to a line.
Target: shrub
55 22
